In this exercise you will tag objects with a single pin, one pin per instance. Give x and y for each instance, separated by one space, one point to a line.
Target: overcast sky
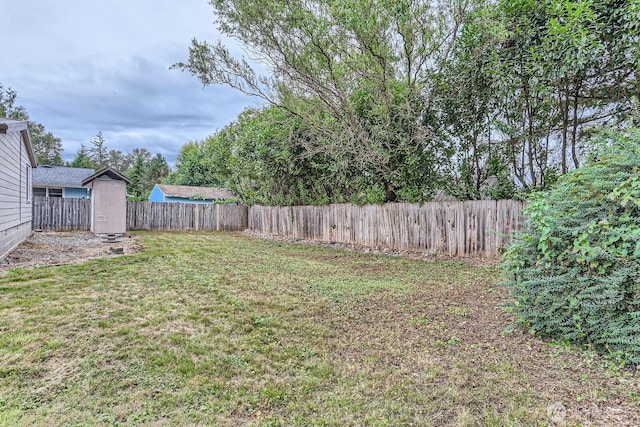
80 67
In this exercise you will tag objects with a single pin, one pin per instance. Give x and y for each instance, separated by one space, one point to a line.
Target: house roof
441 196
9 125
107 171
60 176
13 125
187 192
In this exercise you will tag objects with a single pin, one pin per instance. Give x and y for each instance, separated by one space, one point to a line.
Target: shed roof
187 191
60 176
107 171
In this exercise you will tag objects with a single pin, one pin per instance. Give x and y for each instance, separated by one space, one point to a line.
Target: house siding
170 199
75 193
67 192
15 205
156 195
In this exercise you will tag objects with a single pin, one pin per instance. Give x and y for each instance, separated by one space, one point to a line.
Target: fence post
217 217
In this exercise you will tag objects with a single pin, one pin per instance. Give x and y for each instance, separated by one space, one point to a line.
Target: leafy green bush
575 269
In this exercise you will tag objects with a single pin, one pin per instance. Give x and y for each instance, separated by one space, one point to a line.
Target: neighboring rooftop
60 176
188 192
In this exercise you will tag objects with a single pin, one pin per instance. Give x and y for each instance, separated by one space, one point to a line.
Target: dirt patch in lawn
57 248
454 345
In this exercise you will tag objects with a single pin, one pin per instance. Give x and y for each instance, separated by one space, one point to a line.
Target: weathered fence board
473 228
154 216
58 214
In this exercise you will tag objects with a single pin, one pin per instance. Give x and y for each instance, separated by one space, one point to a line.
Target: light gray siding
15 200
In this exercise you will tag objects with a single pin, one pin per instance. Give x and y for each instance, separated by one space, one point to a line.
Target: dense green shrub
575 269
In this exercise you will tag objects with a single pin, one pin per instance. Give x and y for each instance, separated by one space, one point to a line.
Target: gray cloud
78 70
139 103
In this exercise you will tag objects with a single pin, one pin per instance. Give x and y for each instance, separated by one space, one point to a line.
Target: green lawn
225 329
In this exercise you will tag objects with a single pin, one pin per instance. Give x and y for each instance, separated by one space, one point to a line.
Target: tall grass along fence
474 228
58 214
183 216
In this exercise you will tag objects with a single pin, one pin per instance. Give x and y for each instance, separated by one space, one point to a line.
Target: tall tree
403 97
356 72
145 172
118 160
137 174
47 148
564 69
82 159
259 157
157 170
8 107
465 97
192 168
98 151
139 152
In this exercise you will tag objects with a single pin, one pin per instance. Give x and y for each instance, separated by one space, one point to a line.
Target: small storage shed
109 201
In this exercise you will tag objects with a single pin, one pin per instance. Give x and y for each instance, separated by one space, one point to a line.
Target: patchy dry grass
224 329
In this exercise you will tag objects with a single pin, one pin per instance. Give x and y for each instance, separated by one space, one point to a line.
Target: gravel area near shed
58 248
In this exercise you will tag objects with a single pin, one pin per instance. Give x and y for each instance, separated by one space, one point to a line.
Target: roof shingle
60 176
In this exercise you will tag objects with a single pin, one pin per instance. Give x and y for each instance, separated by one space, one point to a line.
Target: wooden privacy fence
473 228
58 214
183 216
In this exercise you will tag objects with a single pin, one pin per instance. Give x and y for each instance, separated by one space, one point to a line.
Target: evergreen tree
138 174
82 159
157 171
119 161
98 151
